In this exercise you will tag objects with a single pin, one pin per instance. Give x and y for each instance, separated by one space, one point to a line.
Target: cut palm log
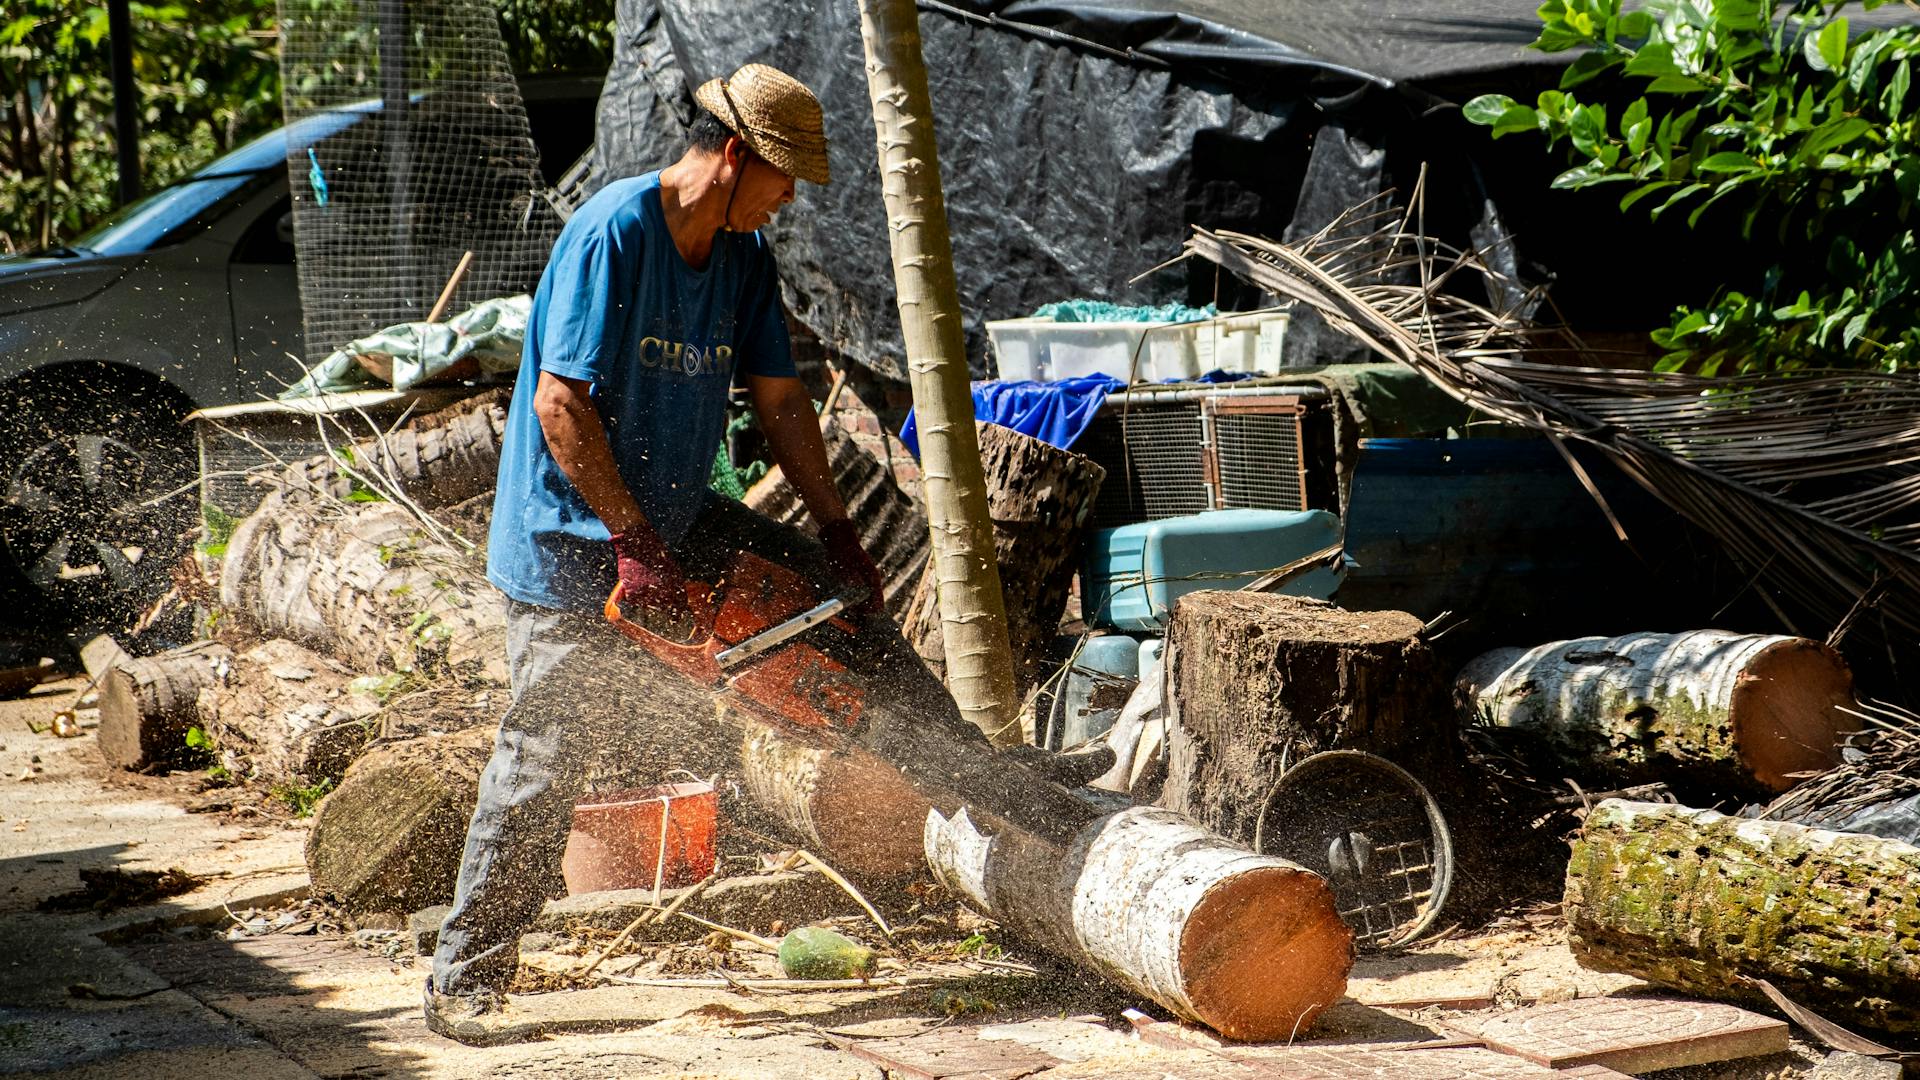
286 715
147 705
1040 498
848 804
1703 902
1263 682
892 528
436 460
1746 714
365 583
1247 944
388 839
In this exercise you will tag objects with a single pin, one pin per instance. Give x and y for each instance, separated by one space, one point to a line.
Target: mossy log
147 705
365 583
388 839
1701 902
1265 681
1747 714
1041 498
284 714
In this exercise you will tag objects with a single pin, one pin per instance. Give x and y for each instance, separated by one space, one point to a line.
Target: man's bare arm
578 440
792 429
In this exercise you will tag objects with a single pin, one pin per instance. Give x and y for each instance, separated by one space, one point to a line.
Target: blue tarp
1054 412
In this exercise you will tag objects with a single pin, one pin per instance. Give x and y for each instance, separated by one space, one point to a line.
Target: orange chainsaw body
794 683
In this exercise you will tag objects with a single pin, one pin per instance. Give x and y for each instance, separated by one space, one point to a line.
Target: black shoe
483 1018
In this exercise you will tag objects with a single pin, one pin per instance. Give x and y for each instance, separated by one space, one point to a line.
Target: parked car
184 299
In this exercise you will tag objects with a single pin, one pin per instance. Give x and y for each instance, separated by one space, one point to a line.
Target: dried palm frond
1884 769
1810 479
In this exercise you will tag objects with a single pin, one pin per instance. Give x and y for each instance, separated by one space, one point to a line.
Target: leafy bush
1772 111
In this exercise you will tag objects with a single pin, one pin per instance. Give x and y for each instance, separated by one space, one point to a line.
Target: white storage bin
1020 348
1045 350
1245 343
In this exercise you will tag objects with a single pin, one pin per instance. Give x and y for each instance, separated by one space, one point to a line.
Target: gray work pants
581 691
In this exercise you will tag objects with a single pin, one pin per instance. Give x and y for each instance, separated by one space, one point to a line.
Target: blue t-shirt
659 341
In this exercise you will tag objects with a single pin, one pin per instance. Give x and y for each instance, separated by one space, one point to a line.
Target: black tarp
1079 141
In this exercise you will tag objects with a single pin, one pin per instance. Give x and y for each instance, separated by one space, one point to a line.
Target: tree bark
1727 713
1265 681
437 460
388 839
363 583
286 715
979 663
147 705
892 528
1700 902
1249 945
1040 498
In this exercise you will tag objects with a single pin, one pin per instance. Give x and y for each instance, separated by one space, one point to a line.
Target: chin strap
726 221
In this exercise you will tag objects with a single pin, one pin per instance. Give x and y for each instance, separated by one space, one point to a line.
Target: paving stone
951 1054
1438 1063
1841 1065
1631 1035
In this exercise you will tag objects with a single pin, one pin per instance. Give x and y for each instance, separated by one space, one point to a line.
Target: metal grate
1154 460
1260 461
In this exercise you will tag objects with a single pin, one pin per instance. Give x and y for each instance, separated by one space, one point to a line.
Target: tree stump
892 528
146 706
1265 681
388 839
286 716
1041 498
1701 902
1745 714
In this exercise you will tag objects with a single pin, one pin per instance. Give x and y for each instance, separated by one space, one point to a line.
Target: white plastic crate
1044 350
1247 343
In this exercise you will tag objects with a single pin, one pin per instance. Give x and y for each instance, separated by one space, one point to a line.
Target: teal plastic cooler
1133 574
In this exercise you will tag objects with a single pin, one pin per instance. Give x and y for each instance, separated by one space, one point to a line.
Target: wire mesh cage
1375 834
407 146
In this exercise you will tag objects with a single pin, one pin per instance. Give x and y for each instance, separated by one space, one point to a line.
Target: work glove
852 565
650 576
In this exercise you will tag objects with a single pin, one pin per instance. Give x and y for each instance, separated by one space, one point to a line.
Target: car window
270 238
165 217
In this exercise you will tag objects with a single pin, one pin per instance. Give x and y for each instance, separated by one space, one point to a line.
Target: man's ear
736 150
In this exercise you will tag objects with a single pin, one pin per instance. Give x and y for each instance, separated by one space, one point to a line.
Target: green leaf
1586 127
1637 136
1586 66
1653 60
1675 84
1827 50
1672 200
1727 161
1486 108
1518 118
1634 196
1831 136
1586 176
1896 95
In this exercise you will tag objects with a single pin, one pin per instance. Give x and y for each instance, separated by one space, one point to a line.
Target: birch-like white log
1746 712
1249 945
972 612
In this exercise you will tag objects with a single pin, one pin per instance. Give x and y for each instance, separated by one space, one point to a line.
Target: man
658 295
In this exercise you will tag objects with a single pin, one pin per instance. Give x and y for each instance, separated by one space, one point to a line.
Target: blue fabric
1054 412
619 308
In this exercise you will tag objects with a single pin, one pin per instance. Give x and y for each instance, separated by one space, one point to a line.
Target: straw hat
777 117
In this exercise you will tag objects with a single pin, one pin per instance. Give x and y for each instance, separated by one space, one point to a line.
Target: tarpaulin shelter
1079 140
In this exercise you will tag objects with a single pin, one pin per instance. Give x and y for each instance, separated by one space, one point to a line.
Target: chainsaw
746 640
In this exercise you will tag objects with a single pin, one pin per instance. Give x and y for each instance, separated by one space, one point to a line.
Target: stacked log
1041 499
148 705
368 585
1704 903
437 460
1265 681
286 715
389 838
1744 714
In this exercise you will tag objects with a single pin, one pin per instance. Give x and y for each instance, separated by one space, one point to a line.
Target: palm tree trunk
972 612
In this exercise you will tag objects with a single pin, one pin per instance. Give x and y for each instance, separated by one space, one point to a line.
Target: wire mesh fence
407 146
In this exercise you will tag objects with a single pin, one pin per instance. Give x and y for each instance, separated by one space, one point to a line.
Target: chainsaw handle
699 603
